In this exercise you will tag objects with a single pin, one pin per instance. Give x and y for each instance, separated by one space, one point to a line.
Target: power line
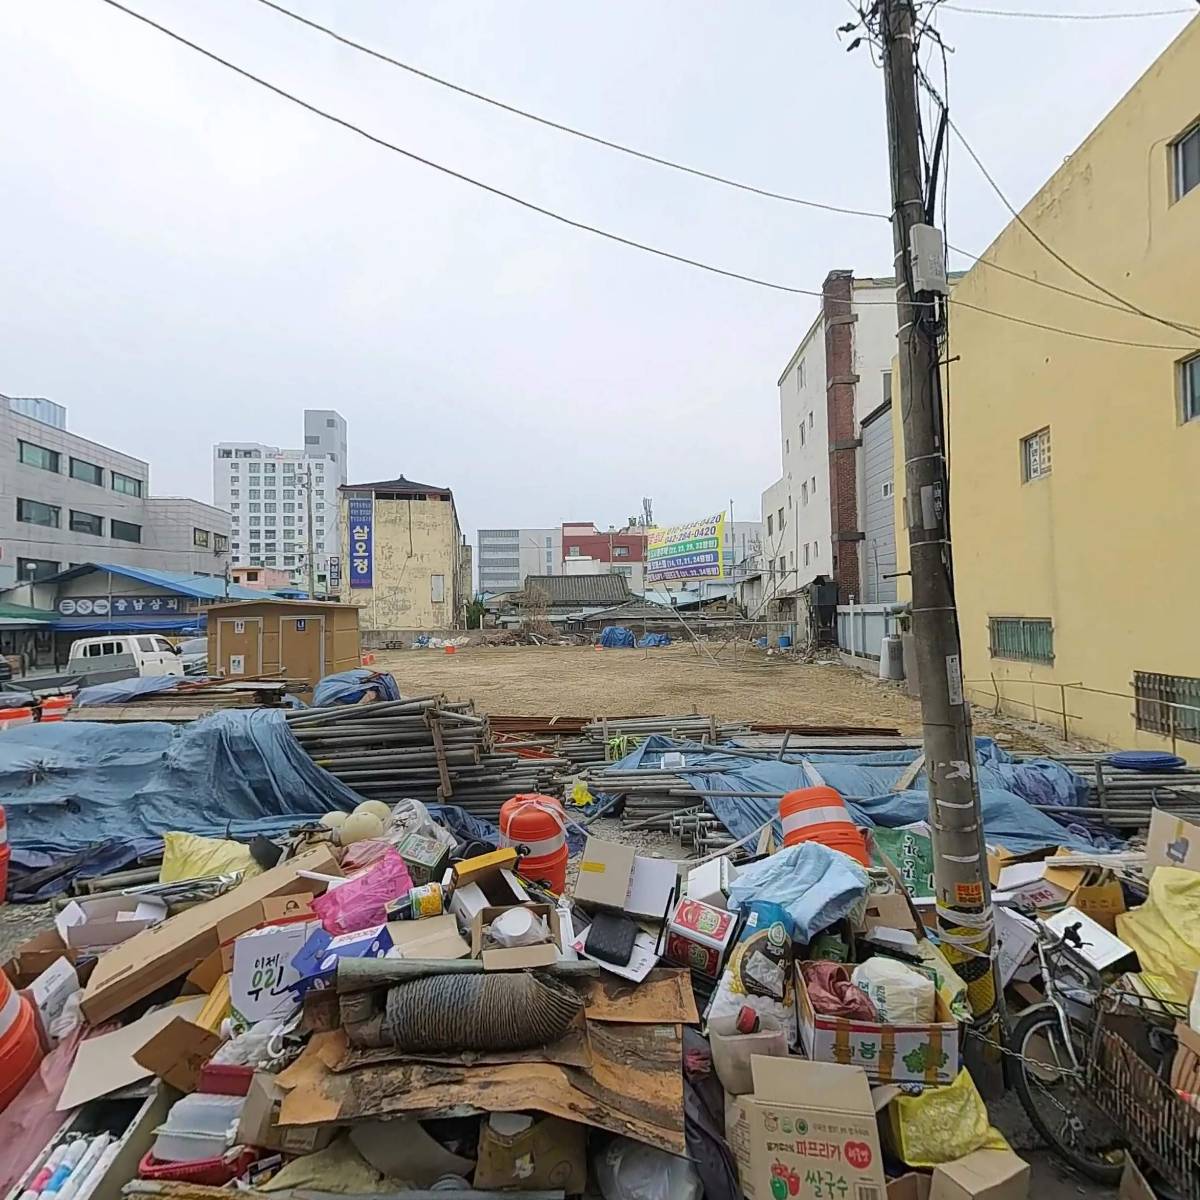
555 216
562 128
1067 16
664 162
1037 237
1090 337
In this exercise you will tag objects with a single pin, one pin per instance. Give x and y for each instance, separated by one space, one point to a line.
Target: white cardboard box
264 979
709 882
106 920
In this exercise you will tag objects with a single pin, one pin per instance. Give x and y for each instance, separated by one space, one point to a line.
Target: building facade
66 500
1073 462
831 514
506 556
278 500
261 579
613 551
408 567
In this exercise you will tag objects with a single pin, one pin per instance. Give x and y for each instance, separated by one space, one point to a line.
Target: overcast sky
190 259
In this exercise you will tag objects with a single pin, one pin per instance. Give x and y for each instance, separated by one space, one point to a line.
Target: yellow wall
413 540
1107 546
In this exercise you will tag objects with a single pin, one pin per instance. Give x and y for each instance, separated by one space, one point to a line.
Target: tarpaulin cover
122 690
616 637
653 639
349 687
867 783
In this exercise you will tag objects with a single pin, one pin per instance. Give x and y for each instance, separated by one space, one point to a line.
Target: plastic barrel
15 716
538 823
785 642
818 814
5 855
20 1046
55 708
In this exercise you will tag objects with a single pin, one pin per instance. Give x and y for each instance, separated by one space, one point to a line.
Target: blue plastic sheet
616 637
867 783
121 691
349 687
648 640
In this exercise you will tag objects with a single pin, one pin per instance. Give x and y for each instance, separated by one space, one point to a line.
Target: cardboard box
259 1122
1040 884
698 937
156 956
548 1153
1133 1183
264 980
518 958
107 920
315 964
1185 1068
49 994
913 1186
496 888
433 937
1172 842
889 910
709 882
612 877
1103 902
470 869
1100 948
807 1129
982 1175
641 962
887 1053
1015 937
178 1052
425 858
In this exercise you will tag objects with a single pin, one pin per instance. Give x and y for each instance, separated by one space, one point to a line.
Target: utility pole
311 557
962 889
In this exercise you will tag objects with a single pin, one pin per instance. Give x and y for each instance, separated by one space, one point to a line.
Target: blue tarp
648 640
122 690
867 784
616 637
349 687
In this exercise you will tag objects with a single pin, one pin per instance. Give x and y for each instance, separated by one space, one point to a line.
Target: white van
124 656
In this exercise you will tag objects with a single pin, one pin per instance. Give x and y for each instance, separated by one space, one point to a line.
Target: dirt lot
582 681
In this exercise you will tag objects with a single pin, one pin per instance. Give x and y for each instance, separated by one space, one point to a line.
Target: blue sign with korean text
121 606
361 564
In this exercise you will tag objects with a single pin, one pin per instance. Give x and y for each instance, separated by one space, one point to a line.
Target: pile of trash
395 997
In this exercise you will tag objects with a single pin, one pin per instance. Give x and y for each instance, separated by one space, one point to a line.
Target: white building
270 494
66 500
830 514
506 556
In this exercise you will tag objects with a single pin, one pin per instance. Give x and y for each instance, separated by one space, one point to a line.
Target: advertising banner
693 551
361 529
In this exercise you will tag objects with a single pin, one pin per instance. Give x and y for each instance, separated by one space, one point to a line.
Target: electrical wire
562 128
547 212
1066 16
658 160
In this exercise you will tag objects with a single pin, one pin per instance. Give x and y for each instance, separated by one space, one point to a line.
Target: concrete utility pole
960 863
311 556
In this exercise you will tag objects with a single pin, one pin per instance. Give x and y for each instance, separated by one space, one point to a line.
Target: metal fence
861 628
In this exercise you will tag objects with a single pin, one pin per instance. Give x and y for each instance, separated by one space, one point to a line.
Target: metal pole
962 888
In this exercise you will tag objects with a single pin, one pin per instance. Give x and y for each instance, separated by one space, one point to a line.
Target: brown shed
303 639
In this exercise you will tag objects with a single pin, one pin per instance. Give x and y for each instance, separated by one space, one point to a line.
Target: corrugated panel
879 517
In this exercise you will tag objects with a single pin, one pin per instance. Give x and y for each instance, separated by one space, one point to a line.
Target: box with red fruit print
698 936
806 1132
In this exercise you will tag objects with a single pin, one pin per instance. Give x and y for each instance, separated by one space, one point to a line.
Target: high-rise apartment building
276 498
506 556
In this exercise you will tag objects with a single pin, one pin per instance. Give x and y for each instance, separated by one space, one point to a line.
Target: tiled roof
399 484
575 591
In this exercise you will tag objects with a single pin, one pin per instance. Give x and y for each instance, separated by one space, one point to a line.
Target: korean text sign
692 551
361 537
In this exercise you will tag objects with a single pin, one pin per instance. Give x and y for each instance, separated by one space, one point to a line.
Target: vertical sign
335 572
361 514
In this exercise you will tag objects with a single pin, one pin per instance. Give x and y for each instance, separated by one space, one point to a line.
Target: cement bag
941 1124
1165 931
190 856
901 995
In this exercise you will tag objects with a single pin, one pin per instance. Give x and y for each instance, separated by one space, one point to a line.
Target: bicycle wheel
1056 1099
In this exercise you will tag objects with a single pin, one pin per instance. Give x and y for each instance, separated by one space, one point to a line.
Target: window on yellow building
1035 455
1189 388
1026 639
1187 162
1167 704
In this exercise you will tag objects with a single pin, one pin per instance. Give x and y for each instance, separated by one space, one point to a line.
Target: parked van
123 657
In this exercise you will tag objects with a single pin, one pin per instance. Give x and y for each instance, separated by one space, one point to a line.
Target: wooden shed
303 639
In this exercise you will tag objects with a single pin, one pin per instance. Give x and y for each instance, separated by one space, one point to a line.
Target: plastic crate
215 1172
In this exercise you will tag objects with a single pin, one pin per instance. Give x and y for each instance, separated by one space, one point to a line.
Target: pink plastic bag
361 902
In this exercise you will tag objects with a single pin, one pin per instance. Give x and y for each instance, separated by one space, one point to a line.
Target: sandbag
190 856
1165 931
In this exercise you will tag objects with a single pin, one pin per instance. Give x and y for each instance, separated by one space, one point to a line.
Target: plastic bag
628 1170
1165 931
941 1124
729 999
833 993
761 961
361 902
901 995
411 816
190 856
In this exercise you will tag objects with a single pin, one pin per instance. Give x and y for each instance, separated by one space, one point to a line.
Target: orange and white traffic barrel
539 824
818 814
20 1046
55 708
12 717
5 855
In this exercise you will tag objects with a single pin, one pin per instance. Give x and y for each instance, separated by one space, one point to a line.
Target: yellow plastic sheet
190 856
941 1124
1165 931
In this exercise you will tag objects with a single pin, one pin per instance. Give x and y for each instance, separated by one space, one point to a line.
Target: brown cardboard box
33 957
805 1118
1172 842
519 958
156 956
1133 1183
1103 902
982 1175
432 937
549 1153
177 1053
604 873
259 1123
913 1186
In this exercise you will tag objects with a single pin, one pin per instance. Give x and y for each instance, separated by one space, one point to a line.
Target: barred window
1026 639
1167 704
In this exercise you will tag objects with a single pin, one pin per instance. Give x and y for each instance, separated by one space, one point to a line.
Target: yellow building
1075 464
408 567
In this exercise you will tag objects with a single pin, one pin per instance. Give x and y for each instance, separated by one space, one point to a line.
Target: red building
609 548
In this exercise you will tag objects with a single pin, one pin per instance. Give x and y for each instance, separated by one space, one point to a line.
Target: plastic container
785 642
225 1079
198 1127
818 814
539 824
213 1171
20 1046
731 1050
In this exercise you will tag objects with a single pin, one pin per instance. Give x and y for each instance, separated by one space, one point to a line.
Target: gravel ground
19 922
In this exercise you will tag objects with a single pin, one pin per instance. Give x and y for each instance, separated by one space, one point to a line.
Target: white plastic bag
901 995
728 1001
628 1170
